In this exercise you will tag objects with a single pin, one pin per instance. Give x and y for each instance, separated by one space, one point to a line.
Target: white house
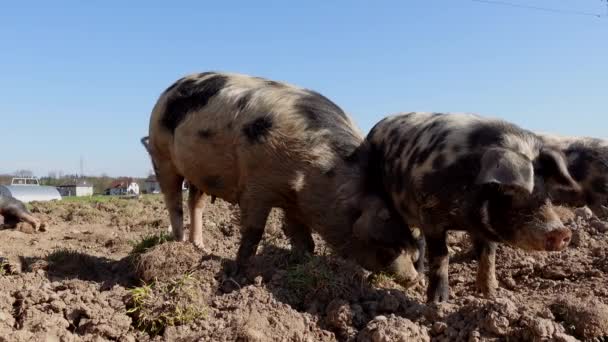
121 187
76 188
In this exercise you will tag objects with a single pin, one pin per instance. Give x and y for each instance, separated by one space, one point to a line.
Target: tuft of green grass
311 276
5 268
150 241
381 279
62 255
156 306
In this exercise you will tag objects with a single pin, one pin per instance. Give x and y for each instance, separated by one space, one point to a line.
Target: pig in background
587 160
13 211
265 144
464 172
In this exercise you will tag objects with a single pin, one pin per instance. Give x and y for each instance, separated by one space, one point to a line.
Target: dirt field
95 275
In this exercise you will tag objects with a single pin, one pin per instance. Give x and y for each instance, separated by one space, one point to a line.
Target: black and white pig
464 172
264 144
587 160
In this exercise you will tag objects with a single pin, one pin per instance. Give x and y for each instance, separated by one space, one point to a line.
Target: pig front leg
254 213
485 251
438 289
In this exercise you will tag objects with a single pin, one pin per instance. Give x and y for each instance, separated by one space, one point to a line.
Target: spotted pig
464 172
263 144
587 160
14 211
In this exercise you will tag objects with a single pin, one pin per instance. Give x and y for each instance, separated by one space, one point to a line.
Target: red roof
122 183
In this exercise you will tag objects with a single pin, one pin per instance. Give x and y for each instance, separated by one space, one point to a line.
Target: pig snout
404 270
558 239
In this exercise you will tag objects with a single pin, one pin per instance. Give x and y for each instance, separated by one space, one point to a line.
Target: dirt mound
586 319
253 314
167 260
393 329
72 310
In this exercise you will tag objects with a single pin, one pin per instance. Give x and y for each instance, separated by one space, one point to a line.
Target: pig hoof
488 290
232 269
201 246
439 295
489 294
230 285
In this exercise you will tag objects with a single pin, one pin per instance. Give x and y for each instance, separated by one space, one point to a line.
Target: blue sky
80 78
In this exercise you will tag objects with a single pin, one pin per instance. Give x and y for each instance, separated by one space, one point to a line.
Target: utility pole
81 167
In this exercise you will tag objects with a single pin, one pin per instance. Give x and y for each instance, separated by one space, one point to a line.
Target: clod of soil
393 329
176 301
588 319
584 213
167 260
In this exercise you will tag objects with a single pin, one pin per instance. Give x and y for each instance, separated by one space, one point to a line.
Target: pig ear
507 168
551 165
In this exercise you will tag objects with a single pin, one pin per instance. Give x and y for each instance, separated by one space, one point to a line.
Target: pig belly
211 168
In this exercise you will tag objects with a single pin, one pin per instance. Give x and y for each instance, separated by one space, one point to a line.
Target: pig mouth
539 239
404 271
407 283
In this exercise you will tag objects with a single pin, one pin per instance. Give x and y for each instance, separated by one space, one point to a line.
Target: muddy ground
95 275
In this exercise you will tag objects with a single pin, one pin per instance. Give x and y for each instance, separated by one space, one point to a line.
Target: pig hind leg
300 237
196 204
171 186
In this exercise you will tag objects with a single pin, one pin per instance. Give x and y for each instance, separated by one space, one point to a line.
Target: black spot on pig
274 83
413 156
205 133
489 134
190 95
424 155
257 129
322 114
205 74
243 101
319 110
171 87
484 135
213 182
462 171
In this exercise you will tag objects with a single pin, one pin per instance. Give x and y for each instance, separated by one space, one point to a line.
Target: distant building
151 185
27 189
125 186
76 188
